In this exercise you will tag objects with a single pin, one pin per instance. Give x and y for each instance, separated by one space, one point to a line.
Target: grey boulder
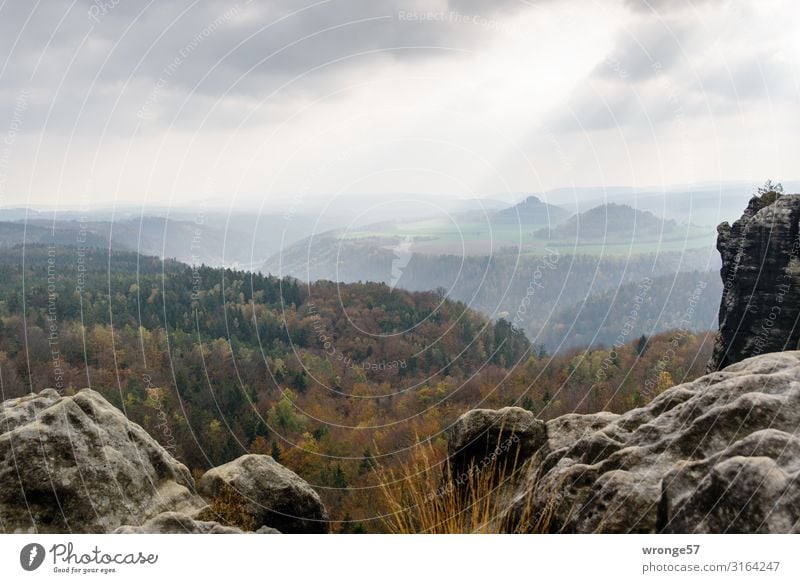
484 437
273 495
77 464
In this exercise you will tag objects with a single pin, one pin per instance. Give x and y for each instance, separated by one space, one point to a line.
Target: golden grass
425 496
230 508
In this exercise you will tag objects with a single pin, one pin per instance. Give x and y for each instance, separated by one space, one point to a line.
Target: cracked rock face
760 303
77 464
719 454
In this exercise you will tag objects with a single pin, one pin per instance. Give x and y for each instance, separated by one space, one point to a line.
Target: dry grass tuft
426 496
230 508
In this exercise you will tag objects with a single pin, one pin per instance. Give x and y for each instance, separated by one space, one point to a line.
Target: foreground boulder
719 454
269 494
483 437
760 304
77 464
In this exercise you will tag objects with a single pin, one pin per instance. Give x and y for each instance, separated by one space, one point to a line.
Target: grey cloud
634 85
681 93
674 65
164 48
485 7
654 45
206 31
597 109
759 77
663 7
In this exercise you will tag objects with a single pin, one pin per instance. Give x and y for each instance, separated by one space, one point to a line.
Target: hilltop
611 223
531 212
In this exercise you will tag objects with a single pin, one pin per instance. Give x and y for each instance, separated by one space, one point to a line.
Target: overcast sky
176 102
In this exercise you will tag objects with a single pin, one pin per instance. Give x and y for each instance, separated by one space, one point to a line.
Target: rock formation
481 435
178 523
272 494
77 464
761 281
719 454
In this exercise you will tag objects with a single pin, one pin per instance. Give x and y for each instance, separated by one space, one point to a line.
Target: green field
439 236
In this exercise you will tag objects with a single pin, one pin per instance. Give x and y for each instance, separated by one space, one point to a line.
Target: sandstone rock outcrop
760 304
482 436
77 464
178 523
272 494
719 454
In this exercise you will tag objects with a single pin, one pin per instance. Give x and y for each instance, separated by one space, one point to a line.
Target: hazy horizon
246 104
309 204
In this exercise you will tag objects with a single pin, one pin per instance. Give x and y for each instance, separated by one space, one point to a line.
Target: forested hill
231 343
365 324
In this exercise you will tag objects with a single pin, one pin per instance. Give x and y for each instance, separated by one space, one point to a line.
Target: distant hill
531 212
700 203
330 258
611 222
208 238
149 235
12 234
